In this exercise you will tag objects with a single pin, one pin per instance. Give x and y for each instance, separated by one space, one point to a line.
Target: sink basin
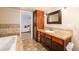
48 31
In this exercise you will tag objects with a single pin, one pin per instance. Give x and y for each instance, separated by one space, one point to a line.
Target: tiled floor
31 45
26 35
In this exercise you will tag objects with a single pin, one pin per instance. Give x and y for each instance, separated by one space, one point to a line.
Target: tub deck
19 45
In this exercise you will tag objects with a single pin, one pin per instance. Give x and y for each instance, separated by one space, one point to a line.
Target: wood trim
49 36
59 41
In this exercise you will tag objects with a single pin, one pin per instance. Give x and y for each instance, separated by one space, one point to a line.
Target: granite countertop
62 34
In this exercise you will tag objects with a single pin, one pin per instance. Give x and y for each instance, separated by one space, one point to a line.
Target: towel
70 46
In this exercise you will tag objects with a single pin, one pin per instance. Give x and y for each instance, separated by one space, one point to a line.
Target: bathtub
8 43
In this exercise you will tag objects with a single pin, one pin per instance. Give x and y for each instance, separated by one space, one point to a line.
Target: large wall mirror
54 17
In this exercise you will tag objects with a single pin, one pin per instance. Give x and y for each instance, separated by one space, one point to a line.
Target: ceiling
45 9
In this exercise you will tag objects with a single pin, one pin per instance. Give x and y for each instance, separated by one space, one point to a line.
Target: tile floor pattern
26 35
31 45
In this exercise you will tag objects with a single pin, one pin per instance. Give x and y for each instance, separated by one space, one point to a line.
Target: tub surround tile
9 26
8 34
9 29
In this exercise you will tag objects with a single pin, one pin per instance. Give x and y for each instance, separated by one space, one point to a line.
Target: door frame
21 11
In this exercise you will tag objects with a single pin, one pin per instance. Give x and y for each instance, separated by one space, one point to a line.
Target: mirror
54 17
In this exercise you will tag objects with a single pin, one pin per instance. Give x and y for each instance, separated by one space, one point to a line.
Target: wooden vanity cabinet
38 22
50 42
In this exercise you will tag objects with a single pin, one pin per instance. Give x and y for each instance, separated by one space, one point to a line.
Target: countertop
61 34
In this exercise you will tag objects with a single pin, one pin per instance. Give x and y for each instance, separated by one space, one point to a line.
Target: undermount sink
49 31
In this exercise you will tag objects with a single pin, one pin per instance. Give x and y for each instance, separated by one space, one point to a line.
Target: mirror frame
59 17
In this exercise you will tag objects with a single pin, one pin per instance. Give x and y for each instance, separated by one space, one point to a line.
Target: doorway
26 25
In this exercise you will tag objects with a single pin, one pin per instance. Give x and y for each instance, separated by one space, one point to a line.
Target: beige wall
9 21
70 20
9 16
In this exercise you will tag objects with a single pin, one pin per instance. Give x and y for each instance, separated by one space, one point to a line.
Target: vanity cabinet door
48 41
57 47
42 38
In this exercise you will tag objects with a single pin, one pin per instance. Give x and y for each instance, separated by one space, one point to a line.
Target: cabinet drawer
57 40
48 36
48 42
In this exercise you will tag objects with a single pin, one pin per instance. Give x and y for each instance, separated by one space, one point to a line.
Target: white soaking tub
8 43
